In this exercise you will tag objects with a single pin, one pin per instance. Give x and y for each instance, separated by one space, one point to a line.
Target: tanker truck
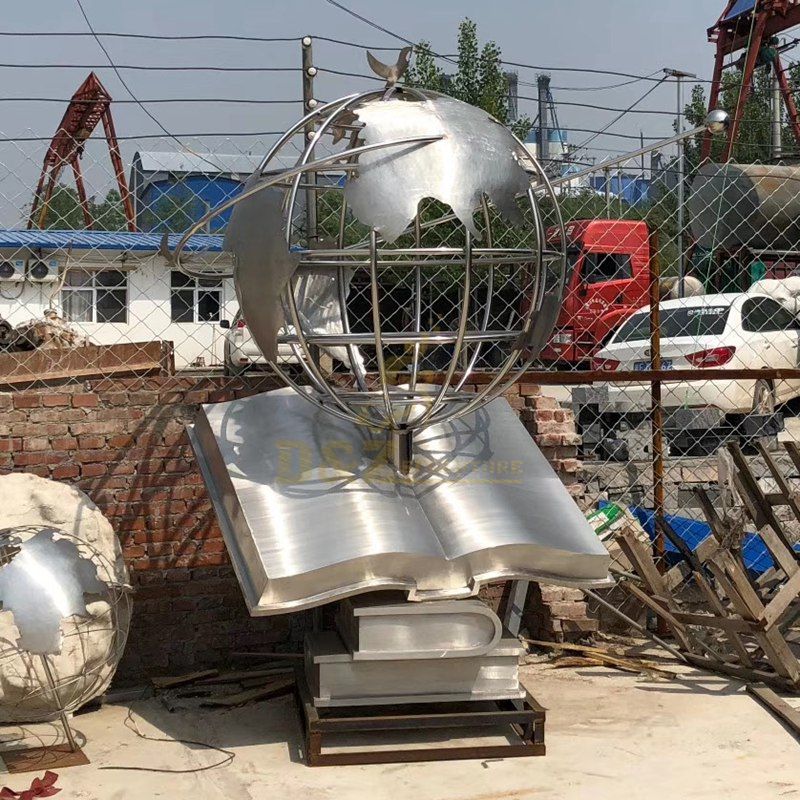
745 224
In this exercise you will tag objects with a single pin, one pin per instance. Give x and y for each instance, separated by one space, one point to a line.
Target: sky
635 36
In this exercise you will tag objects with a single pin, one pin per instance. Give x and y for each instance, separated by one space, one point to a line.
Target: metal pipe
612 162
266 184
776 115
73 745
376 329
634 624
656 408
308 73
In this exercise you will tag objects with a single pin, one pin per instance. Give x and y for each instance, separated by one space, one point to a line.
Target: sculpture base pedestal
385 653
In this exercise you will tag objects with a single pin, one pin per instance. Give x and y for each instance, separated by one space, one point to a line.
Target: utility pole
543 84
777 114
679 75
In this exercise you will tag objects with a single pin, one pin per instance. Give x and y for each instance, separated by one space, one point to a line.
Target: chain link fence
678 332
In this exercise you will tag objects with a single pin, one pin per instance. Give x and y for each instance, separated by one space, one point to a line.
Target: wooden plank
761 512
728 624
171 682
89 361
39 759
738 671
793 452
266 691
777 705
789 495
716 604
244 674
782 600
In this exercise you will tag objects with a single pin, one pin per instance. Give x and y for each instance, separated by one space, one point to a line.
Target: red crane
751 25
90 105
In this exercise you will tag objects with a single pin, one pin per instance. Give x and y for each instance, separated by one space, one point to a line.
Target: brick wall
124 443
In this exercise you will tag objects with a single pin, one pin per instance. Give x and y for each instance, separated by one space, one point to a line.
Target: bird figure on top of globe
424 259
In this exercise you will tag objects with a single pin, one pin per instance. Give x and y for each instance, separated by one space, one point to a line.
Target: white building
117 287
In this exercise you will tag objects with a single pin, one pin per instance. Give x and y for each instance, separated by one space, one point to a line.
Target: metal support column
679 75
309 103
777 114
543 84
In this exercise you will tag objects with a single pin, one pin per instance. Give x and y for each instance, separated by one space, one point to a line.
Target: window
762 315
687 321
95 296
194 299
600 267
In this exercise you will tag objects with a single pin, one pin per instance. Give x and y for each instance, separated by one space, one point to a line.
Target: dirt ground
609 735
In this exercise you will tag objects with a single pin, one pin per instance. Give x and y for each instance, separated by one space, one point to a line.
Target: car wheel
232 371
764 401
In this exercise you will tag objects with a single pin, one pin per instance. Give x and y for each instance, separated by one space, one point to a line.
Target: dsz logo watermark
298 462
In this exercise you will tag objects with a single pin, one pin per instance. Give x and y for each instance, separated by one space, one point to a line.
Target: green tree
64 211
753 142
479 78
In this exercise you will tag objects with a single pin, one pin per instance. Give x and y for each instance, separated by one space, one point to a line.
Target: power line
151 68
669 113
583 144
160 100
371 23
154 36
519 64
128 89
223 134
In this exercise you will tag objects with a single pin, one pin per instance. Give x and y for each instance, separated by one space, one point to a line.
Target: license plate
641 366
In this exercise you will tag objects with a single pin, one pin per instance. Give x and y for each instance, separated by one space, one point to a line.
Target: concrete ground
609 735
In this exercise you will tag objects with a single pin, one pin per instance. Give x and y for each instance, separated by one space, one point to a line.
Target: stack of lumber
742 626
214 689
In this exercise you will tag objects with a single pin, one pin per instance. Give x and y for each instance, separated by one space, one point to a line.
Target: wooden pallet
747 618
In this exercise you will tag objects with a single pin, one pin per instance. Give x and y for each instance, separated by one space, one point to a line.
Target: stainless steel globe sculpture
64 616
401 250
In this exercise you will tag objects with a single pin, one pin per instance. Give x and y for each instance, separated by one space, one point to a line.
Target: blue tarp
739 7
755 554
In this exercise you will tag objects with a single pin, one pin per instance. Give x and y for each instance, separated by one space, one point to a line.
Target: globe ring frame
347 405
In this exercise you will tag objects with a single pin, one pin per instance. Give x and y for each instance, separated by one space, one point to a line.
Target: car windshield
691 321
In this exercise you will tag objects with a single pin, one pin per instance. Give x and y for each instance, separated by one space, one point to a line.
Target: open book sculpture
312 511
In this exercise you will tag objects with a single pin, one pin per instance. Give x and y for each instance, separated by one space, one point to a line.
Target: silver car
243 354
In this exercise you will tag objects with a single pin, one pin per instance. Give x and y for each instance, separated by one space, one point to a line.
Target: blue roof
103 240
739 7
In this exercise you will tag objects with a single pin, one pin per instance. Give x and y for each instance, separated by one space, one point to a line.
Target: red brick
41 470
91 442
65 471
93 470
53 400
123 440
29 459
10 444
64 443
27 401
36 443
6 401
85 400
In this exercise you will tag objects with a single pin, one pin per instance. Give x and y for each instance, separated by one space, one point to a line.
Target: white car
728 331
242 353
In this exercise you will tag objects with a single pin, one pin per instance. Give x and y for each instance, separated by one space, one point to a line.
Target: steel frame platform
526 722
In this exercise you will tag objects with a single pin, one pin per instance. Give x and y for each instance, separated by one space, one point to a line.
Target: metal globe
412 243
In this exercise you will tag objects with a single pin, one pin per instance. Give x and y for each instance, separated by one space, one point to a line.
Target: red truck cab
608 274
